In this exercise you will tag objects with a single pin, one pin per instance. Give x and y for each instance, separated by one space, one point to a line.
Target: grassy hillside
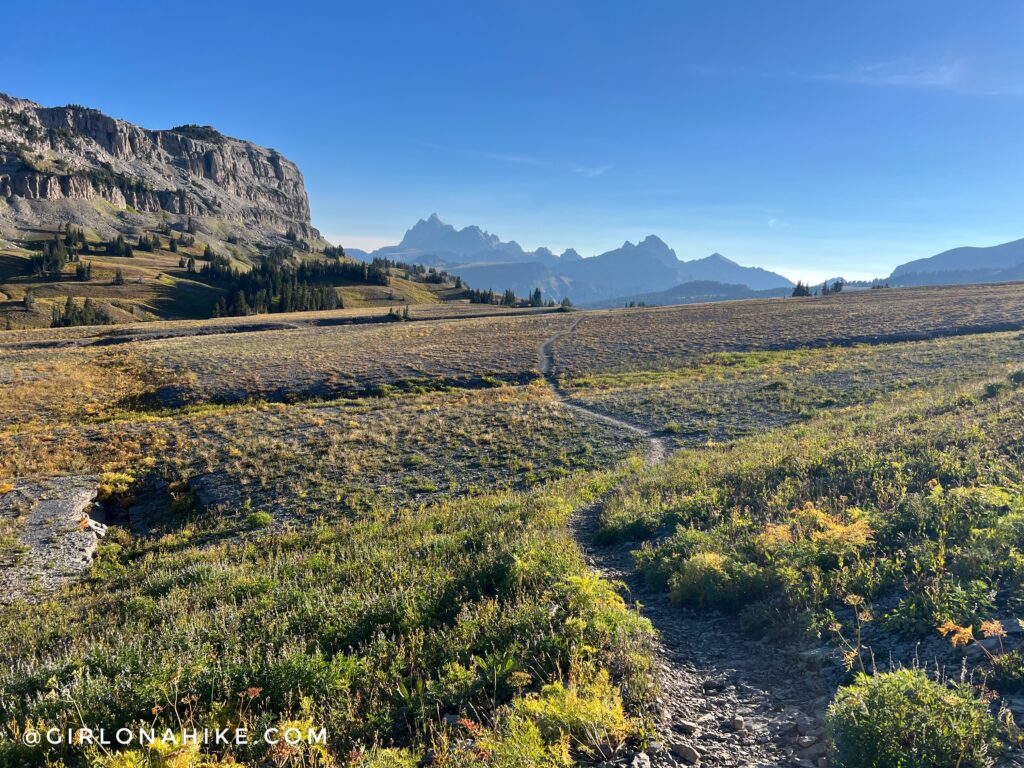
155 285
378 528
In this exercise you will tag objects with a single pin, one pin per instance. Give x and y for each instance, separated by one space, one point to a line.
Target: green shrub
588 712
712 579
903 719
389 758
520 745
1008 672
259 519
993 388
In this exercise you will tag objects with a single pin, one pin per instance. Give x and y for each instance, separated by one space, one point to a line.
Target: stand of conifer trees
277 284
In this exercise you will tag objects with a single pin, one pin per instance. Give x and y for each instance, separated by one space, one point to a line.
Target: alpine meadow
283 487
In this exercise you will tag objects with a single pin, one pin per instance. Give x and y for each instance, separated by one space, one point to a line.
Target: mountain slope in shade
968 264
719 269
484 261
693 292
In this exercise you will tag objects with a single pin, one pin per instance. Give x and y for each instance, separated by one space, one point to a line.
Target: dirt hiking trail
726 699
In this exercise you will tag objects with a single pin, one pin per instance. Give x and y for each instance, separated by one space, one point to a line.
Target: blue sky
816 138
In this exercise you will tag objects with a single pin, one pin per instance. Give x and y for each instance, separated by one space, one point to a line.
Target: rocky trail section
47 536
726 699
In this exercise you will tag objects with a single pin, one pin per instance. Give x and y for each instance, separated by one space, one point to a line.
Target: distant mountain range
650 272
647 267
694 292
994 264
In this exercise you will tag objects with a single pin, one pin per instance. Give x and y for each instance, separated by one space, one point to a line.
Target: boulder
56 536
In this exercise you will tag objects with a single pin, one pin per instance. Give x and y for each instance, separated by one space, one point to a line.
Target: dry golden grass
325 361
44 387
726 395
333 458
668 337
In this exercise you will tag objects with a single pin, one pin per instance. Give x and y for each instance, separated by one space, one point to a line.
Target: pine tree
240 306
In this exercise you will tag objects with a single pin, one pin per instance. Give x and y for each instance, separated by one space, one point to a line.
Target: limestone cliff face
75 153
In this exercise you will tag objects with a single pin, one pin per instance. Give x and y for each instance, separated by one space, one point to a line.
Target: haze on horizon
811 139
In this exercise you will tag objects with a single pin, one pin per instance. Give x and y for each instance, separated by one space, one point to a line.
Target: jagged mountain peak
653 241
715 259
486 262
652 245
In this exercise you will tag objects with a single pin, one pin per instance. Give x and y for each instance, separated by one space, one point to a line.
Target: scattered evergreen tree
120 247
801 289
118 277
148 244
51 261
83 271
536 298
172 245
74 237
481 296
73 314
239 306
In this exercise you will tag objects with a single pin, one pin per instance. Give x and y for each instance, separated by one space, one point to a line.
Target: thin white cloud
955 75
592 171
907 73
589 171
